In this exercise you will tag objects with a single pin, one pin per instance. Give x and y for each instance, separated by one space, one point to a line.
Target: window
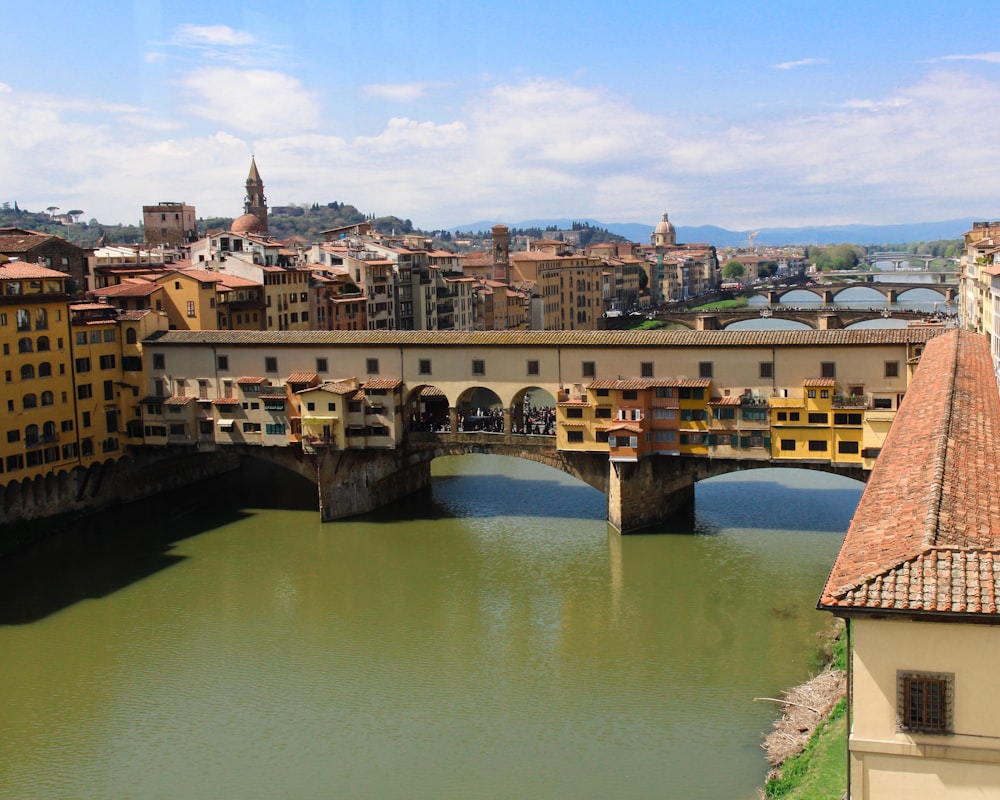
574 437
85 419
882 402
82 365
695 414
13 436
27 372
23 320
603 412
532 367
131 337
704 369
755 414
275 427
574 413
767 369
109 335
44 370
664 391
478 367
828 369
689 393
924 701
109 390
159 361
48 399
847 419
664 436
25 345
892 369
107 362
646 369
787 445
793 416
84 391
190 308
725 413
95 337
587 369
371 366
818 418
222 363
270 364
321 365
42 344
664 413
848 447
811 393
424 367
817 446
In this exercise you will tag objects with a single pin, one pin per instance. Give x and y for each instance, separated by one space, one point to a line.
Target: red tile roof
828 382
302 377
926 535
249 381
22 269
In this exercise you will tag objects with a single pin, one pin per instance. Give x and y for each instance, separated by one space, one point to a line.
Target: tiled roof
226 401
382 383
604 339
650 383
22 269
177 400
828 382
733 400
302 377
246 381
926 535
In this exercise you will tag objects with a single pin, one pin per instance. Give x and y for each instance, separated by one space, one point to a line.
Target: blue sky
742 115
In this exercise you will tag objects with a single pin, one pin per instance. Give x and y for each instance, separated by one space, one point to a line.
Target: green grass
820 771
721 305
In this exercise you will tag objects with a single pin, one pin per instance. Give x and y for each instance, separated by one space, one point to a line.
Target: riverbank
806 749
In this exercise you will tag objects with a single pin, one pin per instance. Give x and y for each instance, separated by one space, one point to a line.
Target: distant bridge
893 292
901 258
819 319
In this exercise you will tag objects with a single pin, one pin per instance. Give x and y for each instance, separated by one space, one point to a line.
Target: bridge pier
707 322
829 322
891 295
353 482
648 492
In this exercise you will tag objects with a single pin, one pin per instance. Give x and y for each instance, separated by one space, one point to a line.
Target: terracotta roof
178 400
333 388
250 381
606 339
226 401
22 269
382 383
926 535
302 377
625 426
828 382
649 383
732 400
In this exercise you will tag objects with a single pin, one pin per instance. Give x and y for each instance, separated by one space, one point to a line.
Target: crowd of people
535 420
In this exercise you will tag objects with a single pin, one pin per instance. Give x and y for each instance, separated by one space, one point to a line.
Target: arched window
44 370
48 398
24 345
42 344
49 431
41 319
31 435
23 320
30 401
130 336
27 372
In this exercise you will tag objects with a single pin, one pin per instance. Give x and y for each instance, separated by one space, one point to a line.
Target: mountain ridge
722 237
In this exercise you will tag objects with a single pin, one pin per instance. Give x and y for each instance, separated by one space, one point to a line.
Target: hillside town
244 278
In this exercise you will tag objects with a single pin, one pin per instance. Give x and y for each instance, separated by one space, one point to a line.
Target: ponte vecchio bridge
642 416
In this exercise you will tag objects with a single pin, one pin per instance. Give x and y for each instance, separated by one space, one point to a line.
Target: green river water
491 639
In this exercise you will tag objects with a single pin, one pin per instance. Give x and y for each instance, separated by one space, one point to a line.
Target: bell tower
501 252
255 202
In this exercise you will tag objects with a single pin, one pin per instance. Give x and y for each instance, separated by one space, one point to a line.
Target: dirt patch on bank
803 709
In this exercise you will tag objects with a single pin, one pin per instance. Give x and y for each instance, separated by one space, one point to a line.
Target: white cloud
989 58
513 151
802 62
257 101
211 36
399 92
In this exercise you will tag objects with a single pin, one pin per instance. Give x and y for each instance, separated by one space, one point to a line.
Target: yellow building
38 372
570 288
189 299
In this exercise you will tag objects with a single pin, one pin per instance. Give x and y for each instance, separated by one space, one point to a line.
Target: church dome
664 225
248 223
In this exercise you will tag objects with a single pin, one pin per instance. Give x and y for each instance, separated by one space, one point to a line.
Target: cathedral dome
248 223
664 225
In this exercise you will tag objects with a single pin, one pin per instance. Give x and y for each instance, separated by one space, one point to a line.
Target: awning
226 424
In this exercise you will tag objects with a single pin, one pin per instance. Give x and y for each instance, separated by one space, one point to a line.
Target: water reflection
491 639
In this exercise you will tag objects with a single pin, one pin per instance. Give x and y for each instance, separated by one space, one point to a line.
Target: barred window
925 701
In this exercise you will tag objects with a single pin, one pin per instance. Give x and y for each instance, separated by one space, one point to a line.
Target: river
492 638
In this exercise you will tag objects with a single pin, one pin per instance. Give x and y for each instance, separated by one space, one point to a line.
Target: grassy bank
819 770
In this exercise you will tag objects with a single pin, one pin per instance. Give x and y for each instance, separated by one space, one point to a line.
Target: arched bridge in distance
818 319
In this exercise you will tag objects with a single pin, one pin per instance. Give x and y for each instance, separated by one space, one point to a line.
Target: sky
743 115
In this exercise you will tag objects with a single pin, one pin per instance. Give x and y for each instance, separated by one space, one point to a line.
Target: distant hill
721 237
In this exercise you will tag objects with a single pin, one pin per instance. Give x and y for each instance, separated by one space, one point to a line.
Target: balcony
850 401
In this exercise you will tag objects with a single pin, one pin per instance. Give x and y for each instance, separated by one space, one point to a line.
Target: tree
74 213
52 210
733 269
